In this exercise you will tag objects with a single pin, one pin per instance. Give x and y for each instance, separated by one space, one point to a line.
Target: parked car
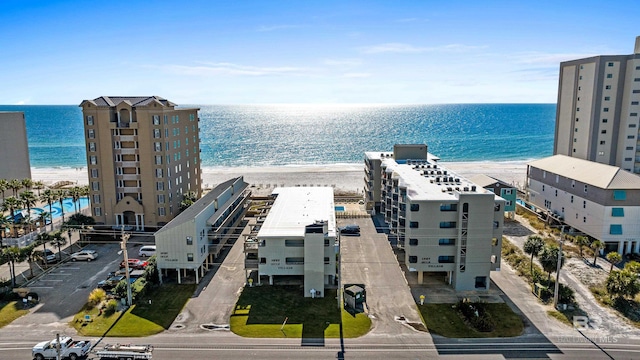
147 251
48 256
110 282
84 255
350 230
136 264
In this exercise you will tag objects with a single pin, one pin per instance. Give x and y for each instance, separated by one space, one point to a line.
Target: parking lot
64 289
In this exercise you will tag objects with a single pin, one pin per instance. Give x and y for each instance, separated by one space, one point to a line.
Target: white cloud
277 27
356 75
408 48
212 69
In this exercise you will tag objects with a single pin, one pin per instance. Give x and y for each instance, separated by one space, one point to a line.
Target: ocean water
268 135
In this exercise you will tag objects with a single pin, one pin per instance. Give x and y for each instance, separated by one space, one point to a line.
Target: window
496 224
160 198
632 125
556 192
158 159
542 187
604 121
448 207
617 212
610 64
619 195
413 242
89 120
96 199
608 87
161 211
95 186
615 229
447 242
609 76
496 207
157 146
94 173
628 159
636 79
447 224
605 109
577 109
635 103
413 259
585 187
189 240
636 91
158 173
263 260
600 153
607 98
603 131
157 134
576 130
160 186
294 243
415 207
630 136
481 282
91 134
584 204
156 119
633 114
189 256
573 183
294 261
327 260
572 199
602 142
413 224
629 148
584 219
97 211
446 259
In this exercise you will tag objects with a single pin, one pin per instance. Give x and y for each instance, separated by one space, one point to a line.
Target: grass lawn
10 311
261 311
443 319
141 319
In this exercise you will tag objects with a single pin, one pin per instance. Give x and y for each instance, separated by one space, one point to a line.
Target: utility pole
58 357
123 245
559 263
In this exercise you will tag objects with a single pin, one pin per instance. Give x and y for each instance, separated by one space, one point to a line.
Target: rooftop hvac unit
449 188
457 180
466 188
473 188
444 172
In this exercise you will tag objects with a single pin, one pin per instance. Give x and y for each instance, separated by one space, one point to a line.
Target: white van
147 250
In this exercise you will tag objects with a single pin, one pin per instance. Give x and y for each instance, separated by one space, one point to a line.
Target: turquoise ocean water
266 135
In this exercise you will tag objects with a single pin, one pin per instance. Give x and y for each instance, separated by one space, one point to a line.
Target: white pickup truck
68 349
125 351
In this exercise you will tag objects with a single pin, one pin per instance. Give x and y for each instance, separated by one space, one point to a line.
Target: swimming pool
339 208
56 212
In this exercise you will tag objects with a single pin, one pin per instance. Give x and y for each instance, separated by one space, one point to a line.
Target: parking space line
40 287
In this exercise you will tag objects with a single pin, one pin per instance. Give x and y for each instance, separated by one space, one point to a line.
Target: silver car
84 255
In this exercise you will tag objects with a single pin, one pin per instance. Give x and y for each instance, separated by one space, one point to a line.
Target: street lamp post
123 246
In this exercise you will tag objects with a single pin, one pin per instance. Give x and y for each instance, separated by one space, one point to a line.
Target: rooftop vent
473 188
466 188
449 188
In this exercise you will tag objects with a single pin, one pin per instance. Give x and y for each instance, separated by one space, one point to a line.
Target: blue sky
244 52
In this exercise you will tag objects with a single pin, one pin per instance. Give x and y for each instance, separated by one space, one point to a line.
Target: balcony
125 138
133 164
128 177
129 190
125 151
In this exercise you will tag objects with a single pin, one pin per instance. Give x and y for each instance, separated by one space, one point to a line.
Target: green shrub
111 307
96 296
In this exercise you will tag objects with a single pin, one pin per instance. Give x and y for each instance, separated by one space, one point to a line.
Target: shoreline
343 177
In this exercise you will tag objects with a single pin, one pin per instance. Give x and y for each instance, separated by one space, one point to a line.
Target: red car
135 264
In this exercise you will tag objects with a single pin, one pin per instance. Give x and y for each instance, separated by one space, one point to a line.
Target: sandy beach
343 177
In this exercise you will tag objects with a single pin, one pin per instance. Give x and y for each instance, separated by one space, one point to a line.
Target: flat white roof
297 207
428 180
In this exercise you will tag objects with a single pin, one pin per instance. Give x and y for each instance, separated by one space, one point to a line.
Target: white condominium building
297 239
597 117
445 223
602 201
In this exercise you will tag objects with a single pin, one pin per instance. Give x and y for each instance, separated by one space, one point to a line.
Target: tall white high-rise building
598 106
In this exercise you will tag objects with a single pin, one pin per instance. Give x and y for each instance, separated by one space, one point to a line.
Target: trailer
125 352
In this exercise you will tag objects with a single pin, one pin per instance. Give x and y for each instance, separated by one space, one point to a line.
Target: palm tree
15 185
75 193
42 239
4 185
4 223
614 258
28 252
60 196
532 246
42 219
581 241
12 255
49 196
58 240
549 260
38 185
28 199
27 183
596 245
11 204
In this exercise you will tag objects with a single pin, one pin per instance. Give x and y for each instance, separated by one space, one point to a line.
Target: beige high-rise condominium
143 155
14 147
598 106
